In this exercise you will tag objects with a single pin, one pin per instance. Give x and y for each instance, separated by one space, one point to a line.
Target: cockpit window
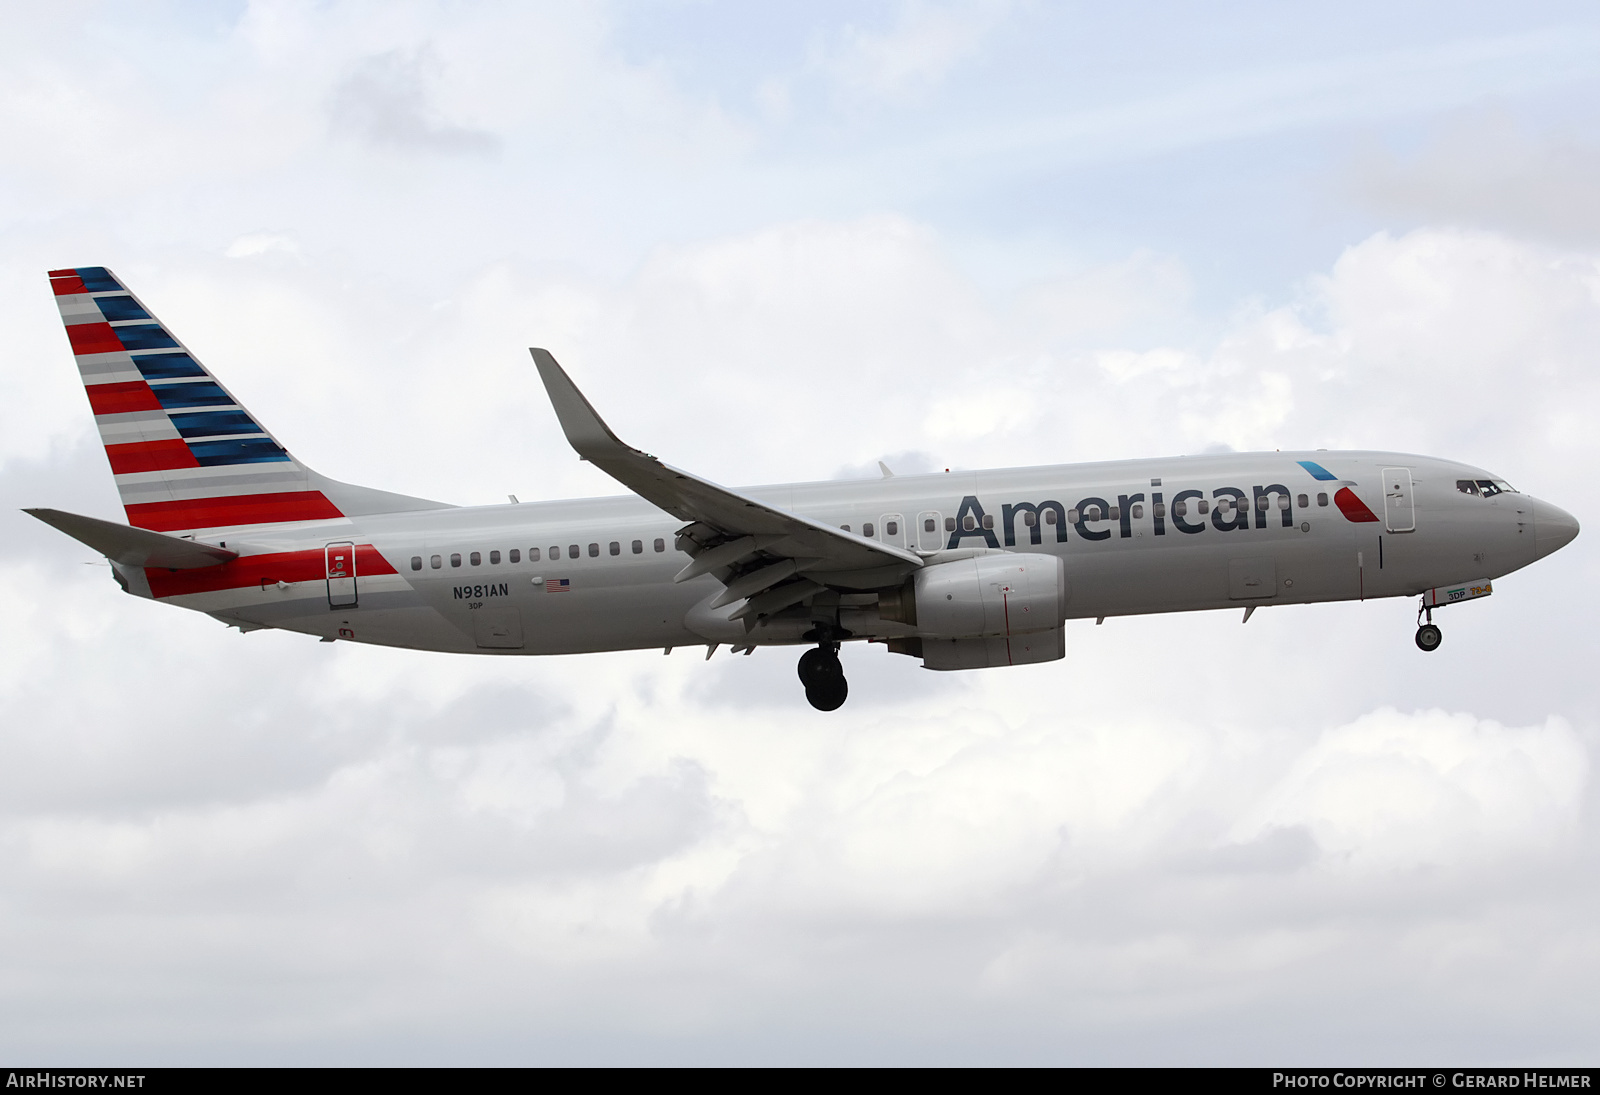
1484 488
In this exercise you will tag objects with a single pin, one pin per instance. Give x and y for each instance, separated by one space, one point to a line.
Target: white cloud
1432 791
926 42
1192 840
260 243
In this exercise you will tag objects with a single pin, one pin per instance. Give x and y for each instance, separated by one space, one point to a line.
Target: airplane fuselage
1140 536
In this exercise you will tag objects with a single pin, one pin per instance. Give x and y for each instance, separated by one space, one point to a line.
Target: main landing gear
1428 636
823 677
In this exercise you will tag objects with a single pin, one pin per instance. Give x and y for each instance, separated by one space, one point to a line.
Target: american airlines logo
1227 509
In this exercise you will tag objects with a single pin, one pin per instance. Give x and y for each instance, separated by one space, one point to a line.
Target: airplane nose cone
1553 528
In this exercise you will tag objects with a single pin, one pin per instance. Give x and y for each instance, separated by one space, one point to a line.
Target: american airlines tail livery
965 570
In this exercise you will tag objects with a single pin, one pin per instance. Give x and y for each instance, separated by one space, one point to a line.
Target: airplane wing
765 556
134 547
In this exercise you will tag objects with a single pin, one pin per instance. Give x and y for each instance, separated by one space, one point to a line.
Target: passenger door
341 571
1399 507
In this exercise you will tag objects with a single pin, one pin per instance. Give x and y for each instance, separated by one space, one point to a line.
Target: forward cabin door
341 560
1399 507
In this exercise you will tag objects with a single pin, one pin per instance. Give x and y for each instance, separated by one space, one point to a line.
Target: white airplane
963 570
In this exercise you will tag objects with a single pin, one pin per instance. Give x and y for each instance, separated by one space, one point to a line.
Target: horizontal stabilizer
134 547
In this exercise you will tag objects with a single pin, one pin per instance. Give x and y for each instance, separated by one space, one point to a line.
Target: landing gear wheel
823 677
828 693
1429 637
819 665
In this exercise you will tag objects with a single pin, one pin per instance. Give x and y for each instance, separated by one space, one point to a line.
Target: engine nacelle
1001 609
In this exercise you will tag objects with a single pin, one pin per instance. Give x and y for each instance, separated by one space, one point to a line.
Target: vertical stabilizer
187 456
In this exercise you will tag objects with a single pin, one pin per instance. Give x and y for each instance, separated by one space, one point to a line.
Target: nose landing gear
823 677
1428 636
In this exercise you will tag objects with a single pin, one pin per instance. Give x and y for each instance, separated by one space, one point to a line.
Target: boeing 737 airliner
964 571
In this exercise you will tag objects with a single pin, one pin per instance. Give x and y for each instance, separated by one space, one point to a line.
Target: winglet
586 431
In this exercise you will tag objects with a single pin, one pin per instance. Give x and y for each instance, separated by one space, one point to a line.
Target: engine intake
1001 609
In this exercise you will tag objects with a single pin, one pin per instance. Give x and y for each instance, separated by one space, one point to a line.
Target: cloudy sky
778 242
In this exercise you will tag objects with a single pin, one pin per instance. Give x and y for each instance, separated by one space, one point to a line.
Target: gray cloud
385 101
1487 170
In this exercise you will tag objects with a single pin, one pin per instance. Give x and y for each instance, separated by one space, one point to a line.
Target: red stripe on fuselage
240 509
93 338
123 397
150 456
1353 508
256 571
67 283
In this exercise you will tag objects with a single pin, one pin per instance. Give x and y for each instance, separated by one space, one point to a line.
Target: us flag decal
558 585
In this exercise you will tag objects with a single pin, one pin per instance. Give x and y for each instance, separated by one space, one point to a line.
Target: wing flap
134 547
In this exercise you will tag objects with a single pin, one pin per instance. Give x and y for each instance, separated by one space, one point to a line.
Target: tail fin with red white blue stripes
187 456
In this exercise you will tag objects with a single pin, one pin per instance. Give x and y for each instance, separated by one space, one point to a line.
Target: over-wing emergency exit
962 571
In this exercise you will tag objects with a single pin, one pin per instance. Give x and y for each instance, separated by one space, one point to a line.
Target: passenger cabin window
1138 512
435 562
455 560
867 529
1305 503
969 522
988 520
1049 516
1073 516
494 557
1180 508
572 551
533 555
892 528
416 562
1157 508
594 551
661 545
845 527
638 547
1203 506
555 551
1322 499
949 524
1030 519
615 548
476 558
515 555
1116 513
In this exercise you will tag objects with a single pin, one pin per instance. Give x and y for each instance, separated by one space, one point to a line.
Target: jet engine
988 610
